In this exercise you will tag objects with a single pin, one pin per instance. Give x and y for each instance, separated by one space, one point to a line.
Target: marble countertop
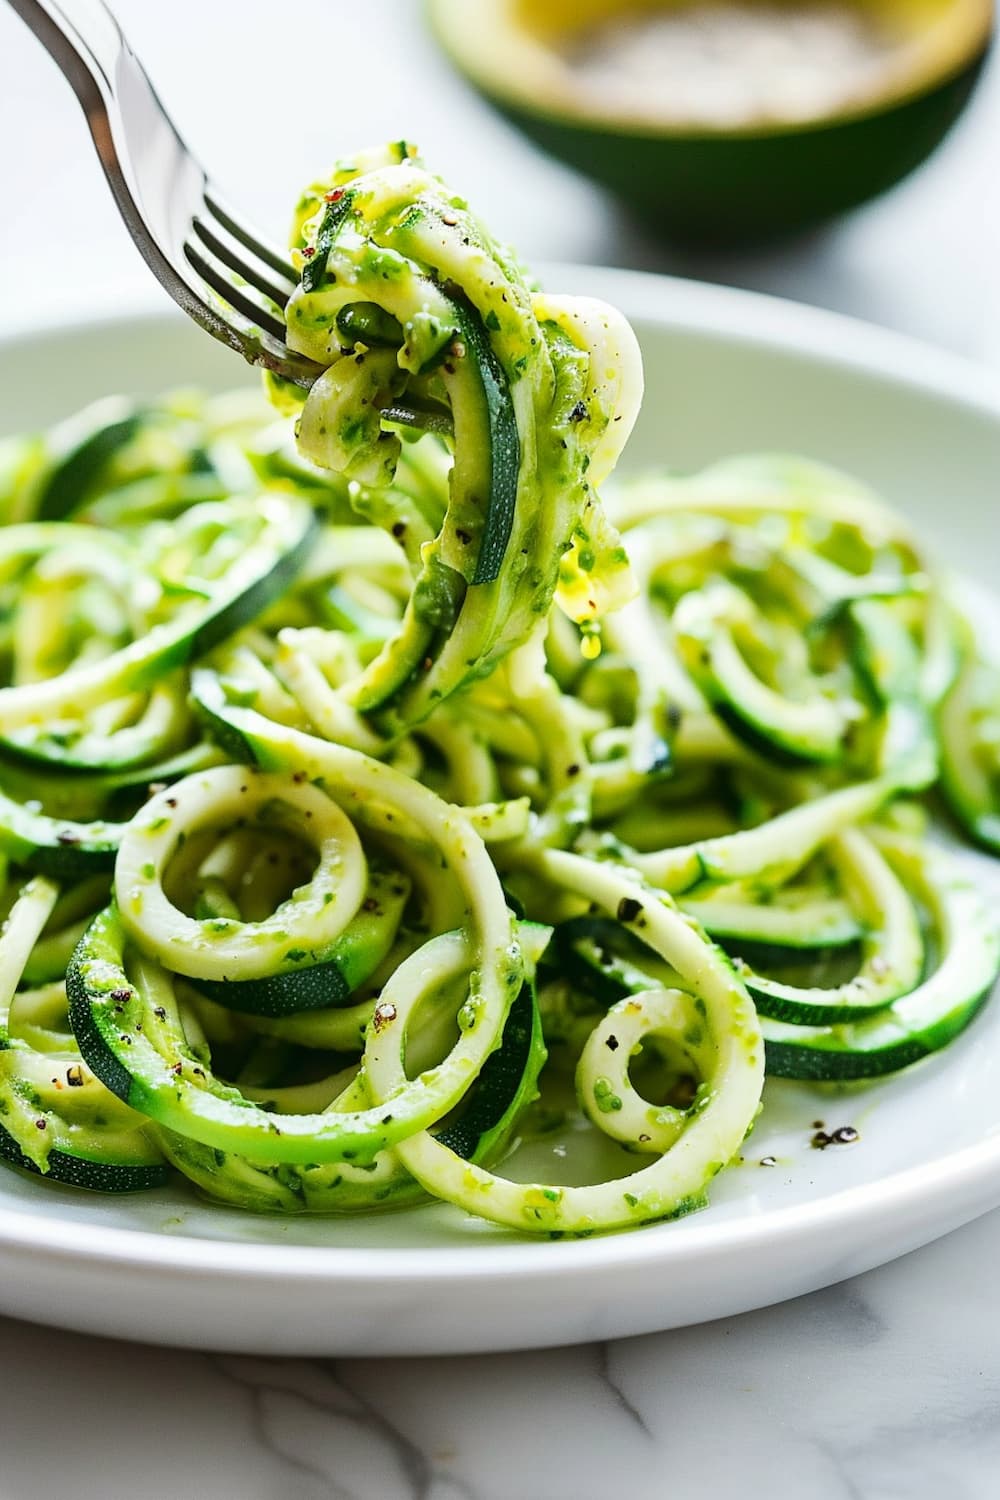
884 1388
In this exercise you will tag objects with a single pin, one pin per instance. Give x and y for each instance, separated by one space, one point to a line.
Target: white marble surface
885 1388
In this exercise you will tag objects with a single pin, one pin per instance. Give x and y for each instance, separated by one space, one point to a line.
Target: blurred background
268 95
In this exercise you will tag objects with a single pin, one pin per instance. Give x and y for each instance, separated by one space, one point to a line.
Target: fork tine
246 237
231 258
221 282
258 333
219 307
241 331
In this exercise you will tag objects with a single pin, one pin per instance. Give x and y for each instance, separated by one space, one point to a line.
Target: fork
213 264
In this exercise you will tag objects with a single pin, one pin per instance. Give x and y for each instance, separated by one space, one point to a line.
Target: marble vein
604 1368
265 1431
311 1417
419 1468
849 1489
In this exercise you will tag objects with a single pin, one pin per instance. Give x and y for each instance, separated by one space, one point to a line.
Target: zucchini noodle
423 322
377 802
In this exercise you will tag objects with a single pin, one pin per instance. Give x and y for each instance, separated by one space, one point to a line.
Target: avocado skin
739 189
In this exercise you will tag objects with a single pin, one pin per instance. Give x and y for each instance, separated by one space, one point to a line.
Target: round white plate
726 372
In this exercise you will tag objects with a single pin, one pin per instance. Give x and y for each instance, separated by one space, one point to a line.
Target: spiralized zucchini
359 825
424 322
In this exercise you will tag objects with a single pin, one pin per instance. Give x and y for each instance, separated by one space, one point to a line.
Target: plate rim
734 315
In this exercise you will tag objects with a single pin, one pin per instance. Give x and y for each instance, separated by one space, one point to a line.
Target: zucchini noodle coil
380 816
423 322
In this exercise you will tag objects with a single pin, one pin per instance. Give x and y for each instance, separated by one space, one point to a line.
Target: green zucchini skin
598 956
76 793
208 699
505 446
441 595
423 322
90 1169
823 1056
332 978
56 846
507 1083
270 584
334 217
971 791
481 1130
767 722
602 960
86 1020
172 645
921 1022
762 740
481 1133
75 476
68 848
892 948
140 1051
126 751
887 664
83 1137
826 925
254 1187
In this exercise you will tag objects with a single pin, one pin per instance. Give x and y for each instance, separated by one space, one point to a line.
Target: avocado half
728 185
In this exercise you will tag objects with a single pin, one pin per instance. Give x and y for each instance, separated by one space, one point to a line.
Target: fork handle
85 40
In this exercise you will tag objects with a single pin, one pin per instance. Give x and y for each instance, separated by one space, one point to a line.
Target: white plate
726 372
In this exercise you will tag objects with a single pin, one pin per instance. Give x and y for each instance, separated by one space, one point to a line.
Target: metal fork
214 265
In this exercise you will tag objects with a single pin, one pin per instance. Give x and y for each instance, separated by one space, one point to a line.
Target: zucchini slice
709 625
89 443
89 1139
298 934
892 946
933 1013
480 1132
796 918
71 844
969 725
56 1119
286 530
58 847
713 1015
126 1019
423 322
331 976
